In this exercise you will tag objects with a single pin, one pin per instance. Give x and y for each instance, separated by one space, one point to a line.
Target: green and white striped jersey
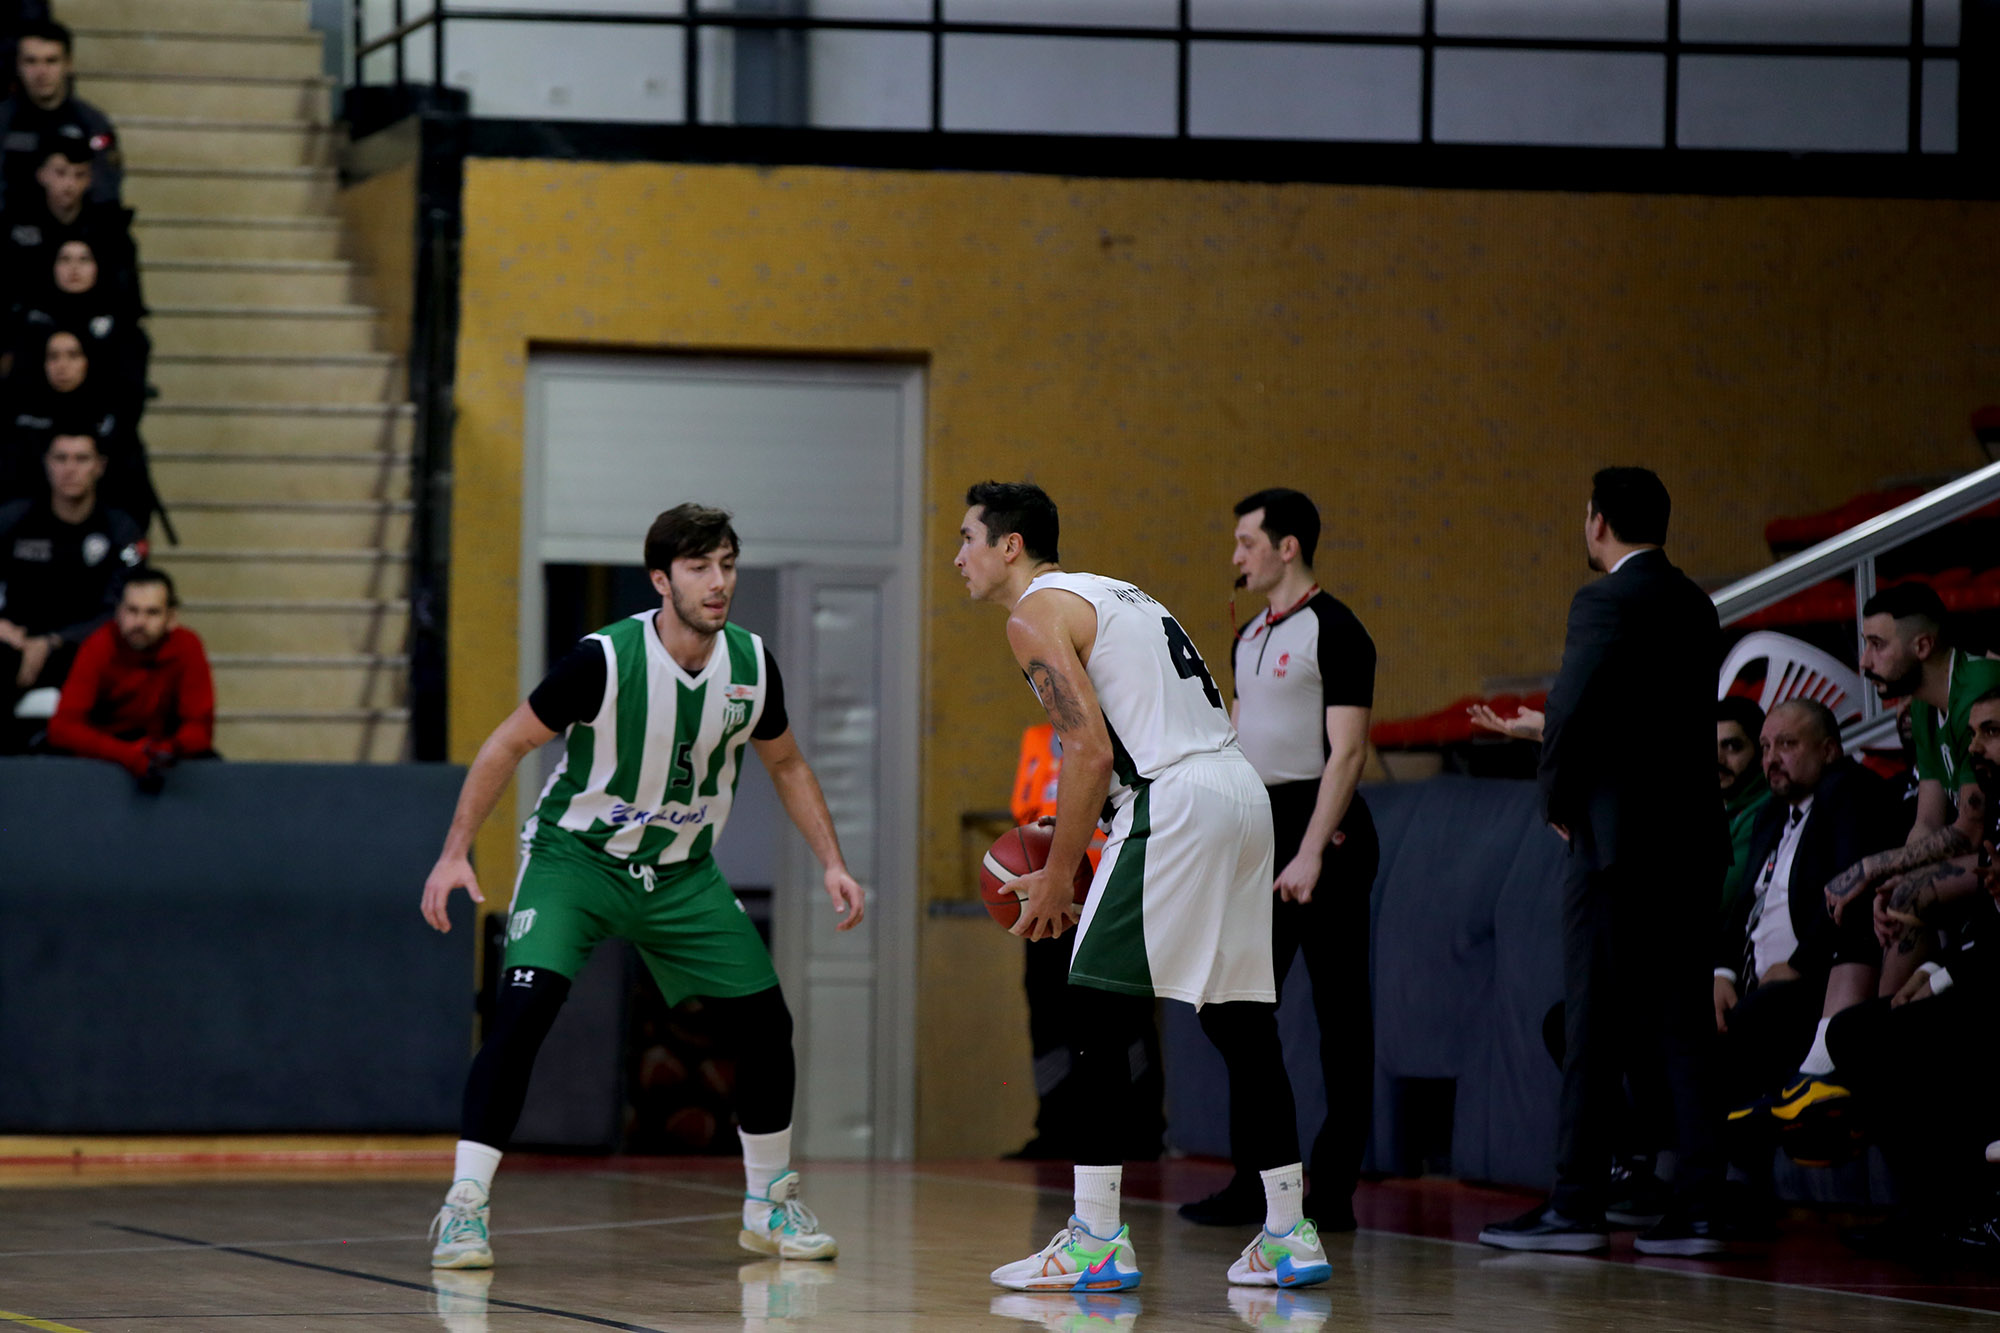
652 755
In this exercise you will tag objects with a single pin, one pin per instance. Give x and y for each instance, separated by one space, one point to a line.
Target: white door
821 465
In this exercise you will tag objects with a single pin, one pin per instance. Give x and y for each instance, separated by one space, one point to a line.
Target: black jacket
23 127
1854 814
1628 747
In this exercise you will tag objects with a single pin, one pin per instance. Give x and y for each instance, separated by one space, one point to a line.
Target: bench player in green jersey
656 711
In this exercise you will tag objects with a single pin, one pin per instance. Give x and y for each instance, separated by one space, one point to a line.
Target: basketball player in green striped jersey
655 711
1180 906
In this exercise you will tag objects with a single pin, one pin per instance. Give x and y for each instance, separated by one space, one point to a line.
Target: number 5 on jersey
1187 661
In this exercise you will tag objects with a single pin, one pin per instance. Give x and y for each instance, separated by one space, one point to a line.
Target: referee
1305 682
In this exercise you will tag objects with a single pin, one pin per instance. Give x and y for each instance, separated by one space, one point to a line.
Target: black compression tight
1263 1124
530 999
755 1029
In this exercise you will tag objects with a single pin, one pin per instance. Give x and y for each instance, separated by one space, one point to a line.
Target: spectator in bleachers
56 206
74 296
1738 725
140 693
1908 654
63 562
1778 948
42 107
1921 1064
66 396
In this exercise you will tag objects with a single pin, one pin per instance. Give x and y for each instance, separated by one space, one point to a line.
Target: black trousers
1638 999
1332 932
1924 1076
15 735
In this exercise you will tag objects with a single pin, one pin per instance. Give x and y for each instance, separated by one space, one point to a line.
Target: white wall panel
1367 16
871 80
562 71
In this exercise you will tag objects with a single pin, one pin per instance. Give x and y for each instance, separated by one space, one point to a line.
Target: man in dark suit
1647 853
1778 946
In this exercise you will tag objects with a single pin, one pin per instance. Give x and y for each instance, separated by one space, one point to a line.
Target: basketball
1015 853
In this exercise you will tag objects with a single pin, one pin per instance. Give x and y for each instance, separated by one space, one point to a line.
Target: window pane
566 71
1941 22
1550 97
1867 21
871 80
1603 20
1940 128
1078 13
1058 85
1800 103
918 10
1369 16
1248 90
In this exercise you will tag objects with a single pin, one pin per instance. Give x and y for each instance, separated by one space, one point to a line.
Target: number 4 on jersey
1187 661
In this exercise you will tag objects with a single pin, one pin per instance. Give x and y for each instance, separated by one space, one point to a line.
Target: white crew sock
765 1158
1097 1199
476 1162
1284 1197
1818 1062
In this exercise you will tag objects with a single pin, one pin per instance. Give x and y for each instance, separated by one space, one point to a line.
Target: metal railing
1853 554
1184 34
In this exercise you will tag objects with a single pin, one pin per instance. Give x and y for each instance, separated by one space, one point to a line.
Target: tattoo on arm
1058 699
1942 845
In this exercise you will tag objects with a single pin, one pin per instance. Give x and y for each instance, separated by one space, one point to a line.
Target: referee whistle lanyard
1271 618
644 874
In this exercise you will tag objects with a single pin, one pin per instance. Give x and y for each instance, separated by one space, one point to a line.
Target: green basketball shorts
683 919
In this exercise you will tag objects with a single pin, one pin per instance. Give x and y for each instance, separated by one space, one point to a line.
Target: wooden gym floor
307 1242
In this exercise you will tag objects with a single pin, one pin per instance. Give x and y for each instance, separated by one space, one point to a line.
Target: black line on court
376 1277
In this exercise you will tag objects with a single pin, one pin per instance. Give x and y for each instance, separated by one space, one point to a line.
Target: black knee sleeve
530 999
757 1030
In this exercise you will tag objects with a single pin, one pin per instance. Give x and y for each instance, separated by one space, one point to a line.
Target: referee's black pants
1332 931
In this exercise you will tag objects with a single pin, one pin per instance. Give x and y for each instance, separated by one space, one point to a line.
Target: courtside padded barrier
239 953
1467 960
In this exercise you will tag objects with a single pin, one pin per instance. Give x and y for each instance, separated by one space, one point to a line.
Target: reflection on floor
650 1245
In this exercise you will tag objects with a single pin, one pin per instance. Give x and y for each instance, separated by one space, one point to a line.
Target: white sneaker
1071 1312
460 1229
1075 1260
459 1298
1294 1259
777 1223
1263 1308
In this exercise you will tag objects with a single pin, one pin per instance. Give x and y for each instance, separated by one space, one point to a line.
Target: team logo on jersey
734 714
520 923
28 235
101 327
1283 660
95 547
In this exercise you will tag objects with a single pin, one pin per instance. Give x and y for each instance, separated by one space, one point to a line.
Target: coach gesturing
1628 778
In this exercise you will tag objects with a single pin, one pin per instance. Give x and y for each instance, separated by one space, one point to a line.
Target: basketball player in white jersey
1181 903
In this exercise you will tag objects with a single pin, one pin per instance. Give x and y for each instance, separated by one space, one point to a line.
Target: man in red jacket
140 693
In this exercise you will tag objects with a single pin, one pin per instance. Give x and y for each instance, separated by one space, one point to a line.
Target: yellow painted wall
1441 369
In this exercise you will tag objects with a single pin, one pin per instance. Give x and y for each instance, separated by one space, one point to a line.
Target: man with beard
1916 1061
1648 847
1778 948
1907 654
656 711
140 693
1745 795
